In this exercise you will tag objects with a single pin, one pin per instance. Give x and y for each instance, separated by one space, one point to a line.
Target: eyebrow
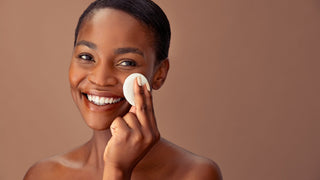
128 50
87 43
118 51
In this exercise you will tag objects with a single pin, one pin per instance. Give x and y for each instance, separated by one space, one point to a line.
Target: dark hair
145 11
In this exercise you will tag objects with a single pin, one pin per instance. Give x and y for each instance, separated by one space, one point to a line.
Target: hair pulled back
146 11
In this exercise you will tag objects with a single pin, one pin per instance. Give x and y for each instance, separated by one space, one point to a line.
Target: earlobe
161 74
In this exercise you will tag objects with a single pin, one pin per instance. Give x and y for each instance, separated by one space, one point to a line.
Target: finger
150 109
132 121
119 127
141 107
145 113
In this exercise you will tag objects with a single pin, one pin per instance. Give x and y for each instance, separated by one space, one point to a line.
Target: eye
127 63
86 57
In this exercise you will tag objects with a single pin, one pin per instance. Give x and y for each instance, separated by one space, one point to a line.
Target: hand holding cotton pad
129 84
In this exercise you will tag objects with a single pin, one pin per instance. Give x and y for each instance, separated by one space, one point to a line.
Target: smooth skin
126 142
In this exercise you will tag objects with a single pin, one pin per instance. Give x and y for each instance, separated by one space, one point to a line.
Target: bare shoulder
44 169
190 166
202 168
55 167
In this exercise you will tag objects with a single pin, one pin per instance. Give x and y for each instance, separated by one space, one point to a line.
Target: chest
91 174
159 174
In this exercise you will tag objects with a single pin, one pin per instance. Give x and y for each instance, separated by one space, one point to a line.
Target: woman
113 39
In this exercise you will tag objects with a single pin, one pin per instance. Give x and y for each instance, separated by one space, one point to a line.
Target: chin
98 123
101 120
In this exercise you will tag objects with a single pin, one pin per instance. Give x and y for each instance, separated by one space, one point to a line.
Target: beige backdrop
243 88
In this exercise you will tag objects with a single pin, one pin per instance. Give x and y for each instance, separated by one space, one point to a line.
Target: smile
101 101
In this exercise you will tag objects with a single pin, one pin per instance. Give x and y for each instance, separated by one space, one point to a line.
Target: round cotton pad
128 86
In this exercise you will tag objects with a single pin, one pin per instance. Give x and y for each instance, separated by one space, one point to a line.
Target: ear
160 75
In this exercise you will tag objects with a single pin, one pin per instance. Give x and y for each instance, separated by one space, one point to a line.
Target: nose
102 75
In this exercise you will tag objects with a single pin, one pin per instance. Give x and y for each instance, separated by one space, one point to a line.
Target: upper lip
102 93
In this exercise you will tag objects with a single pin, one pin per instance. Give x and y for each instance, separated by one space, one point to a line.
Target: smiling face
110 46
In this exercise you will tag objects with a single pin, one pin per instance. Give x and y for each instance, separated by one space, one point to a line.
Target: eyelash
125 63
86 57
131 63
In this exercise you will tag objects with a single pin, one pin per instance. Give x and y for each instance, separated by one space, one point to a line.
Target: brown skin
126 143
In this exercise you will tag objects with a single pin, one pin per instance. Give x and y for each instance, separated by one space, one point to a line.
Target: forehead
111 26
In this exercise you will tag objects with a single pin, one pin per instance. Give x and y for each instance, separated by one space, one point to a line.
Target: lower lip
97 108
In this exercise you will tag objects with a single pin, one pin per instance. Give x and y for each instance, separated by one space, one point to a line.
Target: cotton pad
128 86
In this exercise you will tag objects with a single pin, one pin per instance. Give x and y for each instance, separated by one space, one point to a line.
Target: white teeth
100 101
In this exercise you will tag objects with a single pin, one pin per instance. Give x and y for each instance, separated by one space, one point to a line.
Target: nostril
103 80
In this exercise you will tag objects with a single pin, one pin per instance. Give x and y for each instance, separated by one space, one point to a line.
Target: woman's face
110 46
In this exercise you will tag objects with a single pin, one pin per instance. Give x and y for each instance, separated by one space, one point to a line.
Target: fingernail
139 81
148 87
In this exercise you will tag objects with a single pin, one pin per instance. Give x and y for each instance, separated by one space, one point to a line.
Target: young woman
113 39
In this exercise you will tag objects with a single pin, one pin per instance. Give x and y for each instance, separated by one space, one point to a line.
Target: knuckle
149 109
146 108
138 138
116 122
140 91
149 139
149 95
143 108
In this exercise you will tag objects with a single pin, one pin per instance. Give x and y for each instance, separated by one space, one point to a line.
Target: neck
96 147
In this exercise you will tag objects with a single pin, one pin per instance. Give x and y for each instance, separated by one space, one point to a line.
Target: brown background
243 87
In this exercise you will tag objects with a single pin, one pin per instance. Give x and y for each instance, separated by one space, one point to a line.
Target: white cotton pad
128 86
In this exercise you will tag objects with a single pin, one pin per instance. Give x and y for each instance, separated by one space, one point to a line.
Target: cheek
151 72
151 67
76 75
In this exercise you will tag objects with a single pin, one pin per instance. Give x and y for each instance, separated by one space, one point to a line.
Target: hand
132 135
